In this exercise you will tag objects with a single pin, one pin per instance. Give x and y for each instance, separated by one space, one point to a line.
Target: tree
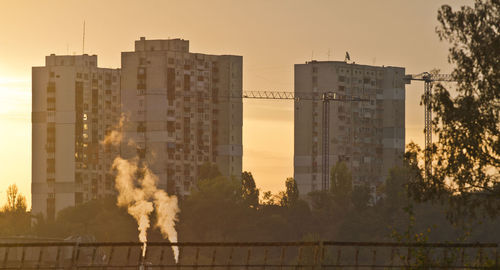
14 220
208 171
466 158
405 181
15 201
396 194
291 195
214 211
99 219
360 197
250 192
341 183
269 199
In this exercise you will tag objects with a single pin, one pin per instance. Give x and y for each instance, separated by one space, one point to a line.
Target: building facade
368 136
179 111
182 110
74 105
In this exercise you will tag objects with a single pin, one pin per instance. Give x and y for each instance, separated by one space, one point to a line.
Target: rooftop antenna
347 57
83 42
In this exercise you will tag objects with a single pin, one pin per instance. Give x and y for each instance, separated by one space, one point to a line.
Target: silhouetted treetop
466 158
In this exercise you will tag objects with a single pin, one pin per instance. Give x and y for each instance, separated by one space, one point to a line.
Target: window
51 165
51 206
78 198
141 127
141 78
51 87
187 82
51 104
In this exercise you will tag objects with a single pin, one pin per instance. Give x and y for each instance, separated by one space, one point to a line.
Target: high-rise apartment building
179 111
74 105
368 136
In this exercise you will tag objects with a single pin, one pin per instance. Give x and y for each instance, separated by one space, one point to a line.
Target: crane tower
428 79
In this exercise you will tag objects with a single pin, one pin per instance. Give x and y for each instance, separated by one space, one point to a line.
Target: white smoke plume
132 197
115 136
141 196
166 210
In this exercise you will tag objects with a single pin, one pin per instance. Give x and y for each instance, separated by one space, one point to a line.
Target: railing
249 255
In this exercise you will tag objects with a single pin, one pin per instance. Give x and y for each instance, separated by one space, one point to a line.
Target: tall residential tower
74 105
368 136
179 111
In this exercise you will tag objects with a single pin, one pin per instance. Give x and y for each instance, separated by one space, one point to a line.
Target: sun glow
15 97
15 138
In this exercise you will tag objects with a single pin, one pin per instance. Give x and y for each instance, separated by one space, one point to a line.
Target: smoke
132 197
115 136
138 192
166 217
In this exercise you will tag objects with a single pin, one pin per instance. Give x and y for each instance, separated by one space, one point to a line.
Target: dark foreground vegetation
221 209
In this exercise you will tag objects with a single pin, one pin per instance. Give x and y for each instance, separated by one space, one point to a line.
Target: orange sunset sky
271 35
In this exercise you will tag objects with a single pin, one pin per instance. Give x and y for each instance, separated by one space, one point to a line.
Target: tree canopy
14 220
291 194
250 192
466 158
341 183
15 201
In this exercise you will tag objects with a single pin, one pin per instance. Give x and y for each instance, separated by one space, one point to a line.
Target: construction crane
325 97
428 79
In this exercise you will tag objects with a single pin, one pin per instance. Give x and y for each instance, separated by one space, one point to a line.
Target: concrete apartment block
74 105
180 114
368 136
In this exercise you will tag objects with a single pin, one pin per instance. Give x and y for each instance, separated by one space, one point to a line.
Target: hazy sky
271 36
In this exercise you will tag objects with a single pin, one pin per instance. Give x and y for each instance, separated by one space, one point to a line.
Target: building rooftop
345 63
71 60
177 44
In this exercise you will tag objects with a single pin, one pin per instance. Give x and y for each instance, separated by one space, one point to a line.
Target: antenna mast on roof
347 57
83 42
